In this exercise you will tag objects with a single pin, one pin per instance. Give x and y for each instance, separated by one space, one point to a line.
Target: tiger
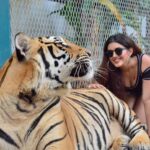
40 111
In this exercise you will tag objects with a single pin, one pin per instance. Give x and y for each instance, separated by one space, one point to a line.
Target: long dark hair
112 78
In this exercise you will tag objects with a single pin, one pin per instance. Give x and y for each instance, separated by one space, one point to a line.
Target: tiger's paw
120 143
140 141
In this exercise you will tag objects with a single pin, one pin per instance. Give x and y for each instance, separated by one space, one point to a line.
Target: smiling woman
126 72
5 32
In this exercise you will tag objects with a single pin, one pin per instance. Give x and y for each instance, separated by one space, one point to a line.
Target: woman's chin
118 65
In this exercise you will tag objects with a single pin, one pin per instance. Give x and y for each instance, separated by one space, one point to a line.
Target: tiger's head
53 61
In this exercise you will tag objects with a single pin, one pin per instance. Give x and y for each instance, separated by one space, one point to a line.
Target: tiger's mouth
82 70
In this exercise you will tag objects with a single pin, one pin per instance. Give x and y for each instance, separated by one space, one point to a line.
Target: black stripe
49 129
21 109
120 107
36 61
84 142
127 126
3 77
50 48
99 144
46 63
37 120
19 138
58 80
6 113
7 138
61 46
117 113
113 108
54 141
76 134
124 111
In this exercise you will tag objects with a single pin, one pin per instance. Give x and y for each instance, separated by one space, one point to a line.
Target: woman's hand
95 85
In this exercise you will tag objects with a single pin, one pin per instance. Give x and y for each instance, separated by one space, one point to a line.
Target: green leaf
113 9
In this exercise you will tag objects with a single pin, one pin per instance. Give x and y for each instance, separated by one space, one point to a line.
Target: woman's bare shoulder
145 61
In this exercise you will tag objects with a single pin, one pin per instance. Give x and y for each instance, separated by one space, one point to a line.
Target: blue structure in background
5 46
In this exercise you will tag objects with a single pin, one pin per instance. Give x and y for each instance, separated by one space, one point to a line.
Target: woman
126 72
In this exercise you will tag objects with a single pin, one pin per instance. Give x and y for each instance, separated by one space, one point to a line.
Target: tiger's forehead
60 43
53 39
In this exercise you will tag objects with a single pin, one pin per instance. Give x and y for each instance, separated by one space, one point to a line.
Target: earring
109 67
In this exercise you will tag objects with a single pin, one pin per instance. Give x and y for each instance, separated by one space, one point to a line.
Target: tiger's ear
21 45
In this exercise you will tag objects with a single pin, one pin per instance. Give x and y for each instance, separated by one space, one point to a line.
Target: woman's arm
145 98
146 101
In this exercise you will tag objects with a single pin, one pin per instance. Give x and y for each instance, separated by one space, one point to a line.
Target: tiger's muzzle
83 68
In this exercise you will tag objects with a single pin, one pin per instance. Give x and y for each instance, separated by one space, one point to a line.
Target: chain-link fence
86 22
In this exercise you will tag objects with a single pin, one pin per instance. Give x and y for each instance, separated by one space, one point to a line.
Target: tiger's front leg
120 140
130 124
120 143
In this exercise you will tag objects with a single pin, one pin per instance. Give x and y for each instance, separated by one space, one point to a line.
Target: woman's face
118 55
